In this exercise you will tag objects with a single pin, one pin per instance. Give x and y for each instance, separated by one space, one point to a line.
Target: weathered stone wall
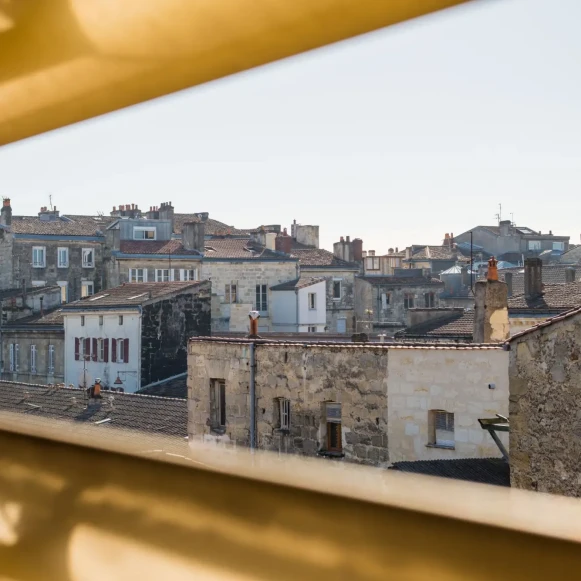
246 275
51 274
453 380
42 340
344 308
166 327
117 270
6 274
520 323
545 409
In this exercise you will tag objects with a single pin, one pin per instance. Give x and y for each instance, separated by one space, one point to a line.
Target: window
534 244
88 258
441 425
138 275
230 293
162 275
559 246
4 317
284 414
217 403
385 300
312 301
333 419
372 263
82 320
430 300
38 257
141 233
123 350
64 291
33 359
261 298
121 319
14 359
408 301
312 329
38 283
50 368
62 257
87 288
336 290
187 274
102 350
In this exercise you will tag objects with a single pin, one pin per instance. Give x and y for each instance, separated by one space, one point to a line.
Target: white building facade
300 306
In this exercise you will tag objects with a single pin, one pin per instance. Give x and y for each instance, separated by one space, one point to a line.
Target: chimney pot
492 269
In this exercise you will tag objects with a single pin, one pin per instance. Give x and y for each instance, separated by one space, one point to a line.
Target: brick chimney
166 212
6 212
491 308
533 278
193 236
570 274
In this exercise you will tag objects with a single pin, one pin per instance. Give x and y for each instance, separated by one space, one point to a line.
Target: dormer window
142 233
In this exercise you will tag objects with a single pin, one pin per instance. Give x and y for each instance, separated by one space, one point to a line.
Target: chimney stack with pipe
6 213
491 308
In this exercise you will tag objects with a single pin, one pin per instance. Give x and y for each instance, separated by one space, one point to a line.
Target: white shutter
51 358
33 359
11 356
16 352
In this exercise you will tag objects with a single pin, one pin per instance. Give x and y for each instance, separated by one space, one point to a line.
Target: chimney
533 278
193 236
253 316
505 228
570 274
357 246
283 242
508 282
6 212
166 212
491 308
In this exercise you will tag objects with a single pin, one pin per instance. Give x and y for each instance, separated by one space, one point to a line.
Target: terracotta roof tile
242 248
401 280
211 227
297 283
309 256
555 297
73 225
458 325
165 247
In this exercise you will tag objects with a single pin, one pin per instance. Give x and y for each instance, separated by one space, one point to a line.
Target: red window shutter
87 349
94 349
106 350
126 349
113 350
77 348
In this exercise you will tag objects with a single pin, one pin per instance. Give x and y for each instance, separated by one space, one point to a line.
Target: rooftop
401 280
173 387
240 248
74 225
555 298
484 470
548 323
211 227
317 257
159 415
54 317
298 283
133 294
35 290
163 247
435 253
454 326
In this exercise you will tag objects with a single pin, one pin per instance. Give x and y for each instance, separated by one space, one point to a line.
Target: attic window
99 297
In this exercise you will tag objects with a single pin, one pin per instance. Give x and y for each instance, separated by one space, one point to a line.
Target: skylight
99 297
209 249
136 296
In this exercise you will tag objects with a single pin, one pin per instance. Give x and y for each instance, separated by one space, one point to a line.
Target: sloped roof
54 317
173 387
126 411
73 225
211 227
484 470
456 326
239 248
401 281
164 247
297 283
131 294
310 256
555 298
548 323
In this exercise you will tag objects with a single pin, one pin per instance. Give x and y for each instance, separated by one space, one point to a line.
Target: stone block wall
545 409
117 270
6 273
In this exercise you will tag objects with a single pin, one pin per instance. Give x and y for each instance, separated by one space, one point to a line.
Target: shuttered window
51 358
33 359
217 403
284 413
442 428
333 416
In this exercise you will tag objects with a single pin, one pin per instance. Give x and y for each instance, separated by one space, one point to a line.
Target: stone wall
117 270
166 327
51 274
6 274
453 380
42 340
545 409
246 275
520 323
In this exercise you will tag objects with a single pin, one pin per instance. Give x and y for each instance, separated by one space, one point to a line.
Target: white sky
396 137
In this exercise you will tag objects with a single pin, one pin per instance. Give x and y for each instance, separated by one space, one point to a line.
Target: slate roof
131 294
484 470
434 253
319 257
74 225
54 317
154 415
551 273
211 227
297 283
164 247
17 292
402 281
555 298
239 248
548 323
456 326
175 387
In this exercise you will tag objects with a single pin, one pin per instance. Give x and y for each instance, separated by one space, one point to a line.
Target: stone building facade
368 404
545 407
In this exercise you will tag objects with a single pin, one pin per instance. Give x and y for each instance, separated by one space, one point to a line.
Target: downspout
252 398
297 316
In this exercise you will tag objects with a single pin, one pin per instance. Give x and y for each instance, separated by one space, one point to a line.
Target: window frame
162 278
430 300
312 329
261 298
217 406
312 301
42 250
33 359
64 285
408 301
88 285
145 229
231 291
339 282
371 262
82 320
534 245
64 249
51 359
14 358
120 320
438 418
559 246
333 427
284 414
86 263
134 275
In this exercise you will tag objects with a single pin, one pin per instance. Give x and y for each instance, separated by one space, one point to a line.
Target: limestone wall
545 409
